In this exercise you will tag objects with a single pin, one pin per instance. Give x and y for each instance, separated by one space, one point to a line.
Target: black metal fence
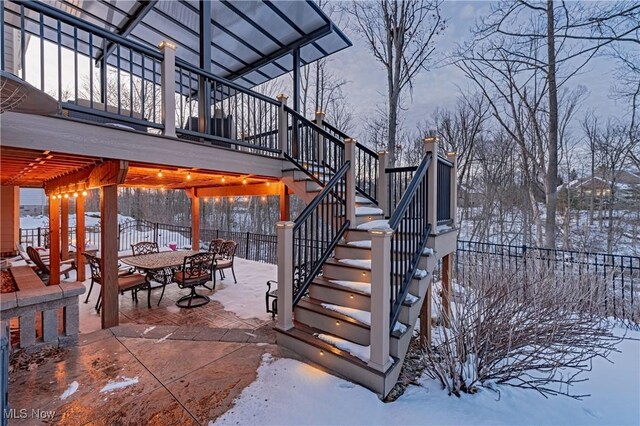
444 192
619 274
5 348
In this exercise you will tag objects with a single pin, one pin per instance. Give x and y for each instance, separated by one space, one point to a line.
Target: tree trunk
551 183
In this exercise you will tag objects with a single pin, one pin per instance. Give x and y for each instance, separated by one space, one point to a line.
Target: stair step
311 313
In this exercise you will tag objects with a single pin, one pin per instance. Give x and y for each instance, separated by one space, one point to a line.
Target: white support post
284 232
168 89
319 138
431 145
282 124
453 157
380 298
350 155
382 189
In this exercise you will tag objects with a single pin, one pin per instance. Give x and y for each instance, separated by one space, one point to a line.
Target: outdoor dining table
159 267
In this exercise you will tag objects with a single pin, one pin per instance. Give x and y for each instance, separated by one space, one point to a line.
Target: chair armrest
68 262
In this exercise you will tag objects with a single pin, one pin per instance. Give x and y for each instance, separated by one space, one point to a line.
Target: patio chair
25 256
66 266
144 247
196 270
215 246
128 282
271 298
225 260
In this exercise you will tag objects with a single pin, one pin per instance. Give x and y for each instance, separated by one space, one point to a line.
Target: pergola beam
111 172
271 188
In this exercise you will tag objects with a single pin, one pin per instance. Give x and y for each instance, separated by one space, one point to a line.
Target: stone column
168 88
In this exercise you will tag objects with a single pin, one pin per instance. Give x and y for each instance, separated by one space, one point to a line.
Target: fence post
453 195
319 138
380 298
431 145
383 184
285 275
350 155
168 89
246 256
39 237
282 124
155 232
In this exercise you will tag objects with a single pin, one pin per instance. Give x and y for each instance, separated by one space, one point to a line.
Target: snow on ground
288 392
363 211
246 298
90 218
73 387
114 385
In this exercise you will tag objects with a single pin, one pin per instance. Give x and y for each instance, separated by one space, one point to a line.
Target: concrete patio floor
185 375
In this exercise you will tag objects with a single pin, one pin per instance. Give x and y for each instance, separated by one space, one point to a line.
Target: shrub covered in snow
521 328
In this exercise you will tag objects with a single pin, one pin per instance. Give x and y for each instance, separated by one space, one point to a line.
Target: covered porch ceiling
250 41
31 168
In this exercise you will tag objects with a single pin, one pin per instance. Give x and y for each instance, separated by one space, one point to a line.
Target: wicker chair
196 270
128 282
225 260
66 266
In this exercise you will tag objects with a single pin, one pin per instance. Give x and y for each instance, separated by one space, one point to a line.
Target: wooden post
10 218
284 232
168 89
380 298
109 255
283 130
431 145
64 227
383 185
446 290
350 155
425 319
54 240
285 203
195 222
80 238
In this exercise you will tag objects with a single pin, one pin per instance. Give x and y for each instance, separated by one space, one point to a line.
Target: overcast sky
440 86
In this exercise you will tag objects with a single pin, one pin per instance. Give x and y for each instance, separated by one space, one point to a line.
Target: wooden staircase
332 321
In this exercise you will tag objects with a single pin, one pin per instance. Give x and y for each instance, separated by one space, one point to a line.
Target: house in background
33 202
160 94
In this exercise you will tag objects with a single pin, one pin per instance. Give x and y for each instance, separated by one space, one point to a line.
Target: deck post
109 255
453 198
282 124
168 89
10 219
195 221
296 79
204 85
425 319
64 227
80 237
382 189
446 290
284 232
54 239
350 155
431 145
380 298
285 203
319 138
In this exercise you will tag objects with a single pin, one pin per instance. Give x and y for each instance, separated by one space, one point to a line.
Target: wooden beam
54 241
446 290
195 223
270 188
112 172
109 255
80 238
285 203
64 228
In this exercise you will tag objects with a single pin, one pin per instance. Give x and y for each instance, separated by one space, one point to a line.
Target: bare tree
401 35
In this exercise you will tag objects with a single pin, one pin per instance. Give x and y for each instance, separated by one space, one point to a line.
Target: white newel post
382 190
350 155
282 124
380 298
319 138
284 232
168 89
453 157
431 145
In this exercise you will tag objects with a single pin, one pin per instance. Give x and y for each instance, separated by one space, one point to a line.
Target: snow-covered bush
521 328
